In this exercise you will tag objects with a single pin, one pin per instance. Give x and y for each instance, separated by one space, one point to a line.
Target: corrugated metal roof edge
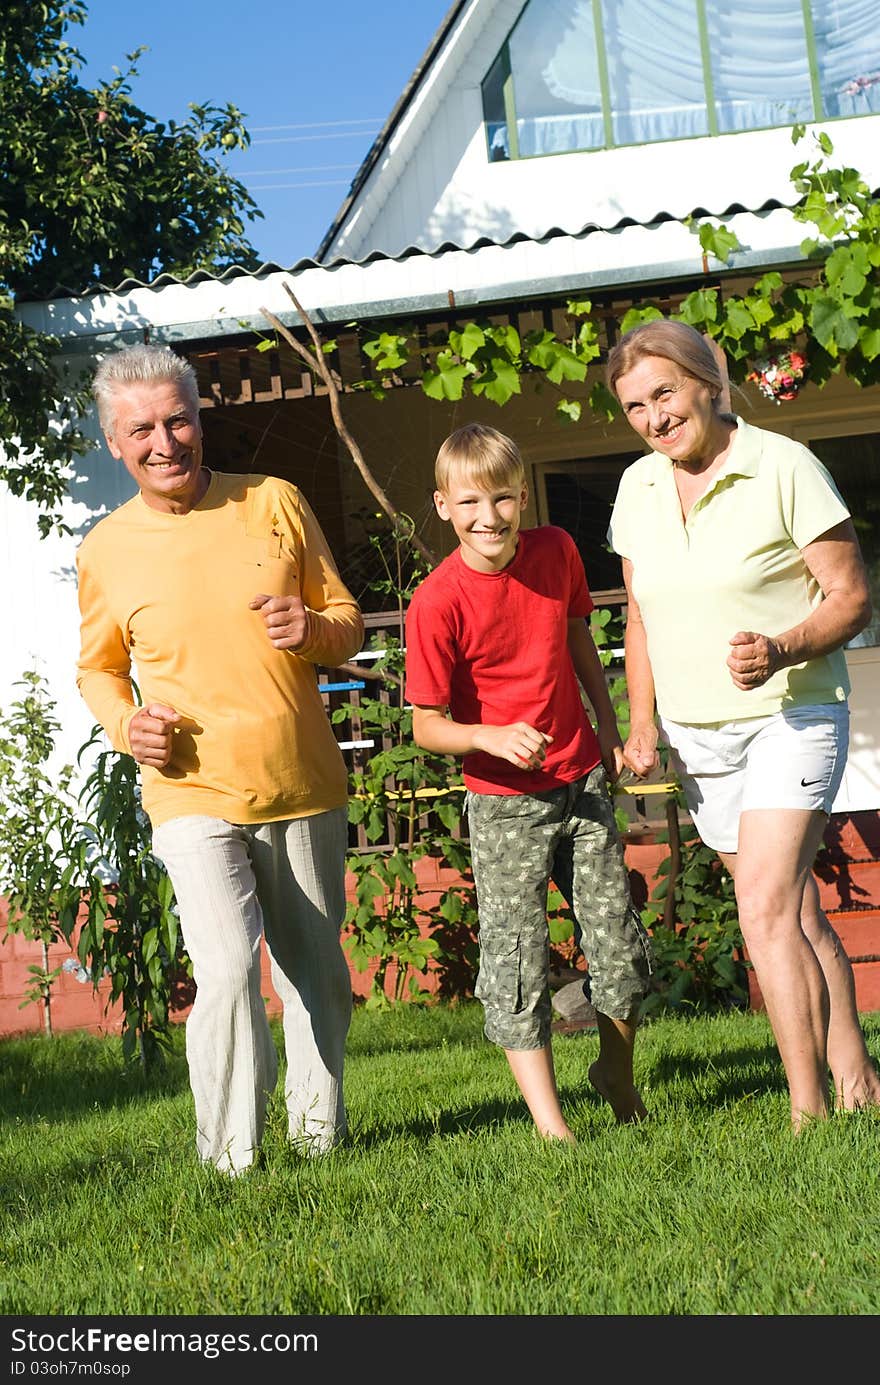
375 256
623 279
620 279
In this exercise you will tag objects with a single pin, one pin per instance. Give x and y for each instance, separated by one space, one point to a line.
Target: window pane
580 497
556 78
848 52
493 109
655 70
853 464
758 55
760 68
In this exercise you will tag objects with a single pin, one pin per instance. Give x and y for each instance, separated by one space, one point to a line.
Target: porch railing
646 805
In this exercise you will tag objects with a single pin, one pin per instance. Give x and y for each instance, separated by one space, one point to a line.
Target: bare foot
562 1136
803 1120
858 1095
625 1101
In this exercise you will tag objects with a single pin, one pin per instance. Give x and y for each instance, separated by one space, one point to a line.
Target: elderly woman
744 581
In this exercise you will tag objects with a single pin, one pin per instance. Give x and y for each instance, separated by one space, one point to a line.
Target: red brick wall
849 875
74 1005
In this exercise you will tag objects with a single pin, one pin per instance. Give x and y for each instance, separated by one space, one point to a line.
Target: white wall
861 780
39 615
434 182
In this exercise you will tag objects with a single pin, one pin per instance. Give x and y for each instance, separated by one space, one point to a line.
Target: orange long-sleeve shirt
168 594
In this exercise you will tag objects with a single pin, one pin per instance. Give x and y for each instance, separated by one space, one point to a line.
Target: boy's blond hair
481 455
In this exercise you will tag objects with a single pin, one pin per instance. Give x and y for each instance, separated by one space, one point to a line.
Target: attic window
596 74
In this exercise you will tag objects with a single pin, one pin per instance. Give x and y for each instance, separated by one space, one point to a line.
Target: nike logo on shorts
808 783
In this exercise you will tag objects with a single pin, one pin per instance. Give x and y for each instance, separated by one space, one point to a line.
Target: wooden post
674 861
725 377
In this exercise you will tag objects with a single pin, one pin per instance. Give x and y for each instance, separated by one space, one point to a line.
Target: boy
497 638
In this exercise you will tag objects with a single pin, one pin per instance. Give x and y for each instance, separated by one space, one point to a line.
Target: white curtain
758 56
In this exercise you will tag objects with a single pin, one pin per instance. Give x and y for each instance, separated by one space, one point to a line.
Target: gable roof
428 181
374 153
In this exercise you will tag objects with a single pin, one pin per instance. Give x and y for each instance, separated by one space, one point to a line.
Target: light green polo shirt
734 565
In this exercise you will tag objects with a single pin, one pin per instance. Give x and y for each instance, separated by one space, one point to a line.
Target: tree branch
369 675
317 362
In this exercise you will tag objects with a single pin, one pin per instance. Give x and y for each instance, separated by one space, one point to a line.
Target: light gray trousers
232 884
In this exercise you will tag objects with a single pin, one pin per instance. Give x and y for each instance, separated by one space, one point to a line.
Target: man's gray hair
140 365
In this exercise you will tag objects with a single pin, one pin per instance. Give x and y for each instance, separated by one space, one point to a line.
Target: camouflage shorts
518 843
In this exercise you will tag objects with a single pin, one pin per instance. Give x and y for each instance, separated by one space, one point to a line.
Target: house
542 152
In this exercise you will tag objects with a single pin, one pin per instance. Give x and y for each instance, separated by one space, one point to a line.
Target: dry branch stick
318 363
369 675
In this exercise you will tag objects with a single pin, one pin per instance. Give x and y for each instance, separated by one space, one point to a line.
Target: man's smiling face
158 438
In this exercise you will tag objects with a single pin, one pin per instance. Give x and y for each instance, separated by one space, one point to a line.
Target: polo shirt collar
745 455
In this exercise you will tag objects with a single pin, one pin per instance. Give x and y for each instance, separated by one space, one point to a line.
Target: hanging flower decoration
779 376
859 86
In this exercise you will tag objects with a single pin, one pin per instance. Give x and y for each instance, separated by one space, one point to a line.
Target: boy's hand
612 759
520 743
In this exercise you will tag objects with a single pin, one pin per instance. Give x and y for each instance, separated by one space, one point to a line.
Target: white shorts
792 759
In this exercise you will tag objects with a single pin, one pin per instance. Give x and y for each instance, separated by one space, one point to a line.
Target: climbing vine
831 310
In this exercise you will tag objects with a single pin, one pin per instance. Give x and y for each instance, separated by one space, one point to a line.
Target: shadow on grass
466 1120
409 1028
716 1078
52 1080
734 1073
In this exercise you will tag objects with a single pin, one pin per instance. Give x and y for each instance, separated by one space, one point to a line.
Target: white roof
205 307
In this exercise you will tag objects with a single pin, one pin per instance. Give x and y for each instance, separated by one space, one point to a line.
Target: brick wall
849 882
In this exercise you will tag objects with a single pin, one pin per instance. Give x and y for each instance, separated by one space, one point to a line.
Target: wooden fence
646 805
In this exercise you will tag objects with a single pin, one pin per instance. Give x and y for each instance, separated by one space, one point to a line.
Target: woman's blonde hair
479 454
675 341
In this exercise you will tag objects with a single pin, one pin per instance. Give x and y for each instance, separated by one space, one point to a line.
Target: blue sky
330 72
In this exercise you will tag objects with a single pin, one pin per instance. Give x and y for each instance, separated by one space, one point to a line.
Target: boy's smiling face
486 522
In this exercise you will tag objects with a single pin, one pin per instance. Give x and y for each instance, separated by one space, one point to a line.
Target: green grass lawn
443 1201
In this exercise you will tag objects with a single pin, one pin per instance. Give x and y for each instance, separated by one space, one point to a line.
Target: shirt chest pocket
267 565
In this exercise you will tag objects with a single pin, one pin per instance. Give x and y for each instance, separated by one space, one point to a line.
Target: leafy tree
37 817
81 871
91 188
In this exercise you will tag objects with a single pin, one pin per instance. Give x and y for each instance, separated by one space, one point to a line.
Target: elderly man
223 592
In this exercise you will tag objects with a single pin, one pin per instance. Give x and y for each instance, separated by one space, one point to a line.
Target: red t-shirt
492 647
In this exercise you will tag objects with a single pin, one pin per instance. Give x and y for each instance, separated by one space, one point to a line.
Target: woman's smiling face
673 411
